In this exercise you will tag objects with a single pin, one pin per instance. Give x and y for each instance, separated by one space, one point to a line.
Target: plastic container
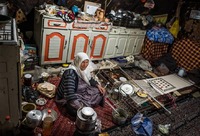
47 124
7 127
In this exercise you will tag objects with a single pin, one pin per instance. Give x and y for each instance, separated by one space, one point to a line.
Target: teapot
33 118
86 119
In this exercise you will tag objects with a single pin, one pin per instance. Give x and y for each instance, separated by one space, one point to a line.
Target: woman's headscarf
85 74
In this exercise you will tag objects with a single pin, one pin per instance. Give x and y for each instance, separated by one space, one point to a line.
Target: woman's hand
101 89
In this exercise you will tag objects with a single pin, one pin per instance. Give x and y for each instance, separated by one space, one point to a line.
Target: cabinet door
54 46
97 46
78 43
121 45
111 46
10 87
131 45
139 43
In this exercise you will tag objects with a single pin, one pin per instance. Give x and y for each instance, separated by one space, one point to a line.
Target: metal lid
34 114
87 111
33 118
27 75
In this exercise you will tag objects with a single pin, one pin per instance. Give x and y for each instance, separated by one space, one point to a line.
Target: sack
141 125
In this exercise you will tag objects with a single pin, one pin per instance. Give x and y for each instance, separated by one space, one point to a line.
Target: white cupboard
135 42
124 42
121 45
138 45
116 46
52 37
130 47
54 46
112 45
58 41
91 42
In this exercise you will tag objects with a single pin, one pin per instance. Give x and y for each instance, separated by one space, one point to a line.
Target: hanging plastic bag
141 125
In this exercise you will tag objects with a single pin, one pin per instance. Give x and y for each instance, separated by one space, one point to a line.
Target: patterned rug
65 124
184 121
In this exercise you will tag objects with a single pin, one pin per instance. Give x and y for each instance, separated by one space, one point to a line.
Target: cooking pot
3 9
26 108
120 117
86 119
33 118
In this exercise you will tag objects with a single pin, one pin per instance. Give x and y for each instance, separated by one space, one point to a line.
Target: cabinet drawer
53 23
137 32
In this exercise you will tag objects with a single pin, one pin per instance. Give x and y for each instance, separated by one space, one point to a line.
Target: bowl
28 107
41 101
120 118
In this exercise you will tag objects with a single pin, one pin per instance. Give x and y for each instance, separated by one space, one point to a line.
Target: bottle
64 67
7 127
47 124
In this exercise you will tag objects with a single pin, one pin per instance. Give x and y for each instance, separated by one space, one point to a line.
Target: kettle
86 119
33 118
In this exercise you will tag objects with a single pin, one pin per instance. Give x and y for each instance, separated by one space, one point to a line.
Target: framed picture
160 18
91 7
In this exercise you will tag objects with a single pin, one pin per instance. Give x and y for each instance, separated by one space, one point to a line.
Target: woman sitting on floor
77 88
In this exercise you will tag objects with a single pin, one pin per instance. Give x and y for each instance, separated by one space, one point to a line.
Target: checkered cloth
153 50
186 52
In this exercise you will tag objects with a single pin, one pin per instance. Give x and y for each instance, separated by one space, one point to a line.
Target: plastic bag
141 125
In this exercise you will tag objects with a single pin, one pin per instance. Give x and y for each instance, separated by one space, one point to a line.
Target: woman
77 88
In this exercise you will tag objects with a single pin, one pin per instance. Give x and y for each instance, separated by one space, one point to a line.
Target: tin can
181 72
27 79
115 94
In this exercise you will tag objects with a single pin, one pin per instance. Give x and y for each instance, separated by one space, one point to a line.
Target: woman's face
84 64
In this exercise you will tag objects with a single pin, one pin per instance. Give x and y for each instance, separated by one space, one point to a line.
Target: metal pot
120 118
33 118
3 9
86 119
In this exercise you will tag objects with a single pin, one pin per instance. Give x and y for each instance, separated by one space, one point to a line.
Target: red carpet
65 124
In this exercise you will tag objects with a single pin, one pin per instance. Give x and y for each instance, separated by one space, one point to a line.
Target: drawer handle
91 44
65 44
56 24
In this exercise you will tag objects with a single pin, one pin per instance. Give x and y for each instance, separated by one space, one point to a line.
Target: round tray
41 101
126 89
